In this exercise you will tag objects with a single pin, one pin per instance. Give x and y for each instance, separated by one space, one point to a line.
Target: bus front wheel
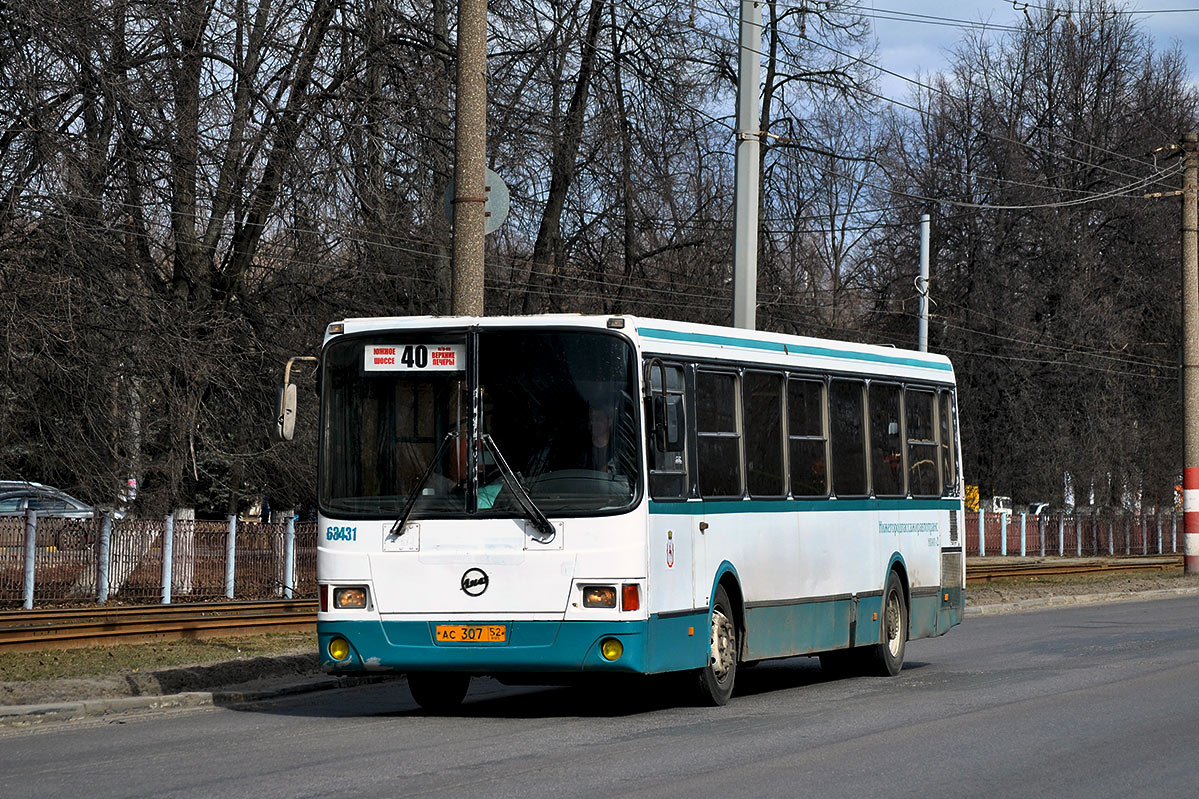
887 657
438 692
716 678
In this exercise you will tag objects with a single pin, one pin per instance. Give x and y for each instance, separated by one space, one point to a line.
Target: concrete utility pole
470 149
922 286
748 168
1190 351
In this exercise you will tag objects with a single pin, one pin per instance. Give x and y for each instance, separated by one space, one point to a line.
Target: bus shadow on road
782 675
589 698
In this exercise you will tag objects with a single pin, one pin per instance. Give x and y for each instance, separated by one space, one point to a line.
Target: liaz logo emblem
475 582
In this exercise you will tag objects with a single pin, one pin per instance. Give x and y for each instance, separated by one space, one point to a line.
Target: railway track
64 628
986 569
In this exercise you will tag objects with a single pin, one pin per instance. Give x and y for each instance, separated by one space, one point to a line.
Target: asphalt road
1084 701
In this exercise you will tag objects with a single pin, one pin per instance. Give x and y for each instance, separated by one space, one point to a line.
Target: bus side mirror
285 416
285 406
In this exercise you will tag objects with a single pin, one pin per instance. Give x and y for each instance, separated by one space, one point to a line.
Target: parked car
17 496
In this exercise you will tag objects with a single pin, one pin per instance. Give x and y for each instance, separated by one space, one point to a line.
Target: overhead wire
720 13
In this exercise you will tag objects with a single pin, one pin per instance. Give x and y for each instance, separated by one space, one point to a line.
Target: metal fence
1105 534
53 561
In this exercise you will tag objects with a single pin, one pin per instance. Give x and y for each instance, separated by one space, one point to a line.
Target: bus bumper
530 646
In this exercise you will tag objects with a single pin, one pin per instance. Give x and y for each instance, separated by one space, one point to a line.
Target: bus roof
688 339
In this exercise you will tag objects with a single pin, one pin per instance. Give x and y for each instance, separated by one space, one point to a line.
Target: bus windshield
558 406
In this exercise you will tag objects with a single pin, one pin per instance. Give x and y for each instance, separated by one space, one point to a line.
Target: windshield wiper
543 525
397 529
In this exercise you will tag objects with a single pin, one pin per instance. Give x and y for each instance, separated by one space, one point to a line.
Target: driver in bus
601 440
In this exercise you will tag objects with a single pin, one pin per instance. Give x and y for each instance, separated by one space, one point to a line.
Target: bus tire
887 656
438 692
715 680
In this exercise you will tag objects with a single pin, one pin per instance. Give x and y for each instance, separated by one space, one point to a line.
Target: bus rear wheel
716 679
438 692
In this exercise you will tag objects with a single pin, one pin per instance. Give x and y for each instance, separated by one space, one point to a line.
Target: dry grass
55 664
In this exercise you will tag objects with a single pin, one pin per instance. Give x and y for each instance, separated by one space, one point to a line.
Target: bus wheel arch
900 569
732 589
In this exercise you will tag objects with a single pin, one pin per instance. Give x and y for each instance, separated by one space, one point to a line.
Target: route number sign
414 358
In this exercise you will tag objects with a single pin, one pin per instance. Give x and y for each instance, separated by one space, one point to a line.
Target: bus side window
764 434
805 432
923 471
666 432
718 434
886 446
847 437
949 465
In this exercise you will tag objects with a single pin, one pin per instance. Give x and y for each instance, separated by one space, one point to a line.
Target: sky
915 35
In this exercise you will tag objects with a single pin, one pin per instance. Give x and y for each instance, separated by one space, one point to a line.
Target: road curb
16 716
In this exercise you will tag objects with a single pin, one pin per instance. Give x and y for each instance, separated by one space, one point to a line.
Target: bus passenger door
672 527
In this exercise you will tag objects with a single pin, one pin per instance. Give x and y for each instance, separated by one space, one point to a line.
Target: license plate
471 633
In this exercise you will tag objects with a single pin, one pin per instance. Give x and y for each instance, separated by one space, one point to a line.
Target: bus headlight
351 598
339 648
599 596
611 648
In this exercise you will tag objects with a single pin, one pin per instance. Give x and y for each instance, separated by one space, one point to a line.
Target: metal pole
230 556
1061 535
289 557
747 168
1023 534
1190 352
922 327
102 556
1003 534
168 544
470 149
30 555
982 534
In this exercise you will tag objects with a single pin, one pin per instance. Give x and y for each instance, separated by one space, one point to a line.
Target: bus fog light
351 598
339 648
599 596
611 648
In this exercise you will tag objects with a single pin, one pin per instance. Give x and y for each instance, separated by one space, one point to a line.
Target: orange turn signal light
630 597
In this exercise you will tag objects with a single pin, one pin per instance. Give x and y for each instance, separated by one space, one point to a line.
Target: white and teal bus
539 497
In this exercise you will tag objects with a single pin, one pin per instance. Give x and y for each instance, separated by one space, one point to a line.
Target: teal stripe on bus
703 507
788 349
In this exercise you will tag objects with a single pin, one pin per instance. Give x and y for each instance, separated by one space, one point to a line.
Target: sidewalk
259 679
